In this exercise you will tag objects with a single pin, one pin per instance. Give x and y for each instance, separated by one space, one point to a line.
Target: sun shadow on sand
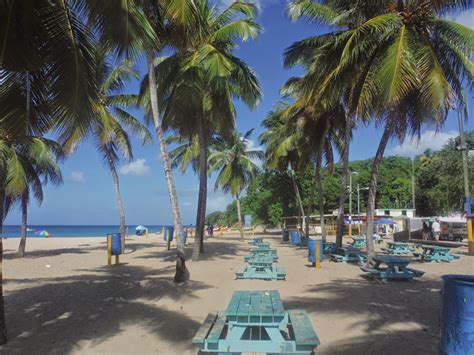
131 248
213 251
55 314
390 310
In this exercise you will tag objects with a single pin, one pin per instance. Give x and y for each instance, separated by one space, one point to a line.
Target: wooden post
109 250
146 232
358 229
350 230
318 256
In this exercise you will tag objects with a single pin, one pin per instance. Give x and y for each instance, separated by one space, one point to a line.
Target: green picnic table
262 268
256 322
398 248
348 254
254 254
436 253
256 241
358 242
395 268
263 249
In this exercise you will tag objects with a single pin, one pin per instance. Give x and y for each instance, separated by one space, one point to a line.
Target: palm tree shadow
53 315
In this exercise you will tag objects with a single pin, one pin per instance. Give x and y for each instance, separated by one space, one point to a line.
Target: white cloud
465 17
136 168
218 201
428 140
78 177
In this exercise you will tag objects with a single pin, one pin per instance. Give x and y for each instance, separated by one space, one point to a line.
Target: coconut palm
199 81
31 164
237 167
111 122
407 65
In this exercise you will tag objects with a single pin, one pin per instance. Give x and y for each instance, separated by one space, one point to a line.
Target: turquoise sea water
13 231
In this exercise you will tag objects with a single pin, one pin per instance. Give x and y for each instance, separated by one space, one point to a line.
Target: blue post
457 315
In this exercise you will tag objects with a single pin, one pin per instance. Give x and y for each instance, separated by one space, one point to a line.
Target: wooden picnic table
256 321
436 253
398 248
395 267
348 254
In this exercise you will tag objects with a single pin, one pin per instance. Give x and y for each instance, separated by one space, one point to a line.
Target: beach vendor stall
384 223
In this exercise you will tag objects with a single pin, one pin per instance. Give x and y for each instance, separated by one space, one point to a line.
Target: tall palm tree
111 122
199 81
407 66
31 165
237 167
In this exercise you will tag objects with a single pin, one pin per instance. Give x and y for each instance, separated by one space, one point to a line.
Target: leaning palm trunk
118 196
344 182
24 224
3 327
202 199
373 188
319 181
239 216
182 273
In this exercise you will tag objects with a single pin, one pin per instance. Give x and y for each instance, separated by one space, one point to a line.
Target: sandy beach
62 298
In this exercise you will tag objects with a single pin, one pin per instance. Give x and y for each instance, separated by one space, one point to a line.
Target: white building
395 212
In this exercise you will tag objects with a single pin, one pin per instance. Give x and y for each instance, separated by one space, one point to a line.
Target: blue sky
87 195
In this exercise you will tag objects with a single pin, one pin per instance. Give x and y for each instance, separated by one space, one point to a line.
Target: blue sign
248 220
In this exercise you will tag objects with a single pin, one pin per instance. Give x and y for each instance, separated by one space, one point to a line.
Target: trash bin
312 250
457 315
285 235
116 244
295 237
169 231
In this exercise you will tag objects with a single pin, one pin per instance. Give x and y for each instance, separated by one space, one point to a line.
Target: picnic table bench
396 269
398 248
262 268
348 255
256 241
263 249
436 253
358 242
255 321
329 247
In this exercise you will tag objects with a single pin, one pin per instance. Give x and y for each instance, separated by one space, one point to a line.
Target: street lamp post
358 204
350 200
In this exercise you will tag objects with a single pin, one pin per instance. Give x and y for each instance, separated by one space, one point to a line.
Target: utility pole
463 148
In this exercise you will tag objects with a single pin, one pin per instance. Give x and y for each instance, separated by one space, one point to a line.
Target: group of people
432 232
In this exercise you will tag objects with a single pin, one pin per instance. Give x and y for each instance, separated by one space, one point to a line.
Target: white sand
62 298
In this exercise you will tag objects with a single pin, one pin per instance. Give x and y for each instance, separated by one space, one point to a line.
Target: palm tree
199 81
31 164
237 167
111 122
407 66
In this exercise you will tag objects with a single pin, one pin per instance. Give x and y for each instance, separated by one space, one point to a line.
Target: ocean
13 231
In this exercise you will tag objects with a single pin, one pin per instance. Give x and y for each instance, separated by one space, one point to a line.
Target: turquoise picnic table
256 322
398 248
348 254
395 268
254 254
262 268
329 247
263 249
436 253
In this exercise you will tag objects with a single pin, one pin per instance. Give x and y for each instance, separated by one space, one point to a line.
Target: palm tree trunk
319 182
182 274
3 327
373 187
301 213
202 199
118 196
24 224
344 182
239 216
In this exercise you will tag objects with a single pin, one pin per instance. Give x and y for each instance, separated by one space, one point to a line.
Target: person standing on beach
436 227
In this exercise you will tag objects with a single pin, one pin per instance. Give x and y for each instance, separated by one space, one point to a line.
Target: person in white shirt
436 227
